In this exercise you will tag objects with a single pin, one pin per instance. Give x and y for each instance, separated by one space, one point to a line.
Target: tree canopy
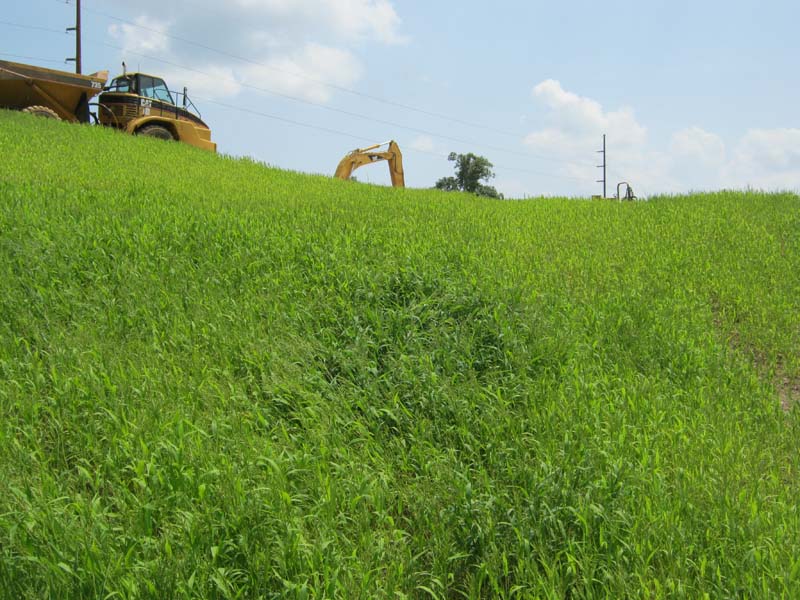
471 173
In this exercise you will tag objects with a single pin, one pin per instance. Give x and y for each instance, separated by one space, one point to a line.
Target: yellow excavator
366 156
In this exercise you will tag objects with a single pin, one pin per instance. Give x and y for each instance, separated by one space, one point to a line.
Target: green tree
471 172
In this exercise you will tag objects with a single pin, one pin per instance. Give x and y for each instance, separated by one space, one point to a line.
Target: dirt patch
788 391
787 387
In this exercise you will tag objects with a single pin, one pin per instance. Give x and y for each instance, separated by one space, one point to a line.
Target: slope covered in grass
222 380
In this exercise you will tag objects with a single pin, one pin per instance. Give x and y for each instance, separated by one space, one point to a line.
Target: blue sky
692 95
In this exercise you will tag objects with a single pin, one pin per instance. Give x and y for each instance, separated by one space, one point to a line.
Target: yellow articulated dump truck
142 104
136 103
49 93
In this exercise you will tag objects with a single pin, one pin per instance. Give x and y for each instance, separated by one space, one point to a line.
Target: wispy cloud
289 46
694 158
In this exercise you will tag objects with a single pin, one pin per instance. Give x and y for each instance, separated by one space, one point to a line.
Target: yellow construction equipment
47 92
366 156
142 104
136 103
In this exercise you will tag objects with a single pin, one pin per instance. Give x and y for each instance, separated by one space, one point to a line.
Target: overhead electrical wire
36 58
352 114
362 138
315 127
331 108
297 74
348 113
33 27
345 112
336 87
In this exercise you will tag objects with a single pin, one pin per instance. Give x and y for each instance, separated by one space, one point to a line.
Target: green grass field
221 380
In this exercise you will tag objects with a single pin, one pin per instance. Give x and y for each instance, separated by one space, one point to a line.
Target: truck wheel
156 131
41 111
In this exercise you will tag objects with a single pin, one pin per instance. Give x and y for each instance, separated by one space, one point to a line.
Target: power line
286 120
354 114
361 138
301 75
539 173
349 113
36 58
301 123
342 89
33 27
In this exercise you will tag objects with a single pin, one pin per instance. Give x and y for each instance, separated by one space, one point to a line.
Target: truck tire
41 111
156 131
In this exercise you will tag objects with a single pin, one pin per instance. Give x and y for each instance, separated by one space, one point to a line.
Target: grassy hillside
227 381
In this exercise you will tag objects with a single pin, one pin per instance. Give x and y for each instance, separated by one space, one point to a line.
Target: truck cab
142 104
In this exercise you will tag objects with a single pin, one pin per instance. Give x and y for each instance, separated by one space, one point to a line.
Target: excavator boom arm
366 156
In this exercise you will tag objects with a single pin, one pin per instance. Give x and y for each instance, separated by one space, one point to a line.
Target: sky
692 95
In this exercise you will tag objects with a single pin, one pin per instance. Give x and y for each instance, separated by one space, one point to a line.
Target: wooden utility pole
77 30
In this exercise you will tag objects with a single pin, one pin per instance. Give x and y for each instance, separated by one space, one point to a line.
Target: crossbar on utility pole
77 30
603 166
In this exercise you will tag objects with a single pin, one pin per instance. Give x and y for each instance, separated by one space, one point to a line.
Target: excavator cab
366 156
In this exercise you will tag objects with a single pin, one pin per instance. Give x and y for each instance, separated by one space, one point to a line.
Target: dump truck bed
68 94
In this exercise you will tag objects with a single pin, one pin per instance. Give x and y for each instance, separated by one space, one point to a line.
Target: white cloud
148 35
213 21
767 158
573 132
773 149
696 159
698 146
382 20
348 19
511 188
357 19
212 83
302 72
423 143
584 117
288 46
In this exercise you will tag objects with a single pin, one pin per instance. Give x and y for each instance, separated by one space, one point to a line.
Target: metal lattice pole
603 166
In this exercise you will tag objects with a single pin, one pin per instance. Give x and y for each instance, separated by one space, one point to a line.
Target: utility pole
77 30
603 166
